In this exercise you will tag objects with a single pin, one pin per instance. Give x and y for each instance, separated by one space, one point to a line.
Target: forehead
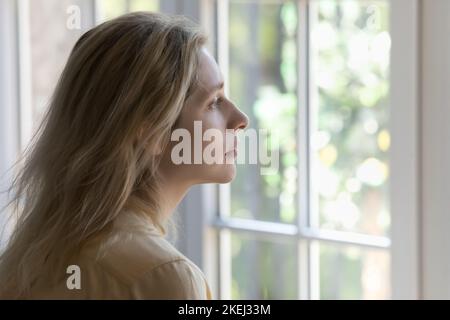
209 75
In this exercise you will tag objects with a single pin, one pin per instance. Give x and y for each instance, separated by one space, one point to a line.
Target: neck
172 194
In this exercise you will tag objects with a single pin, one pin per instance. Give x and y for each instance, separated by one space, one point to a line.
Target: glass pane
350 49
109 9
144 5
262 36
262 269
353 273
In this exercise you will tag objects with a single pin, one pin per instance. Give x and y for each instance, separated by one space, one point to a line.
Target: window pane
144 5
262 37
109 9
352 272
350 48
262 269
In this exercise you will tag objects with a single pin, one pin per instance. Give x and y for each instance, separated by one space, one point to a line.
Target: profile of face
206 108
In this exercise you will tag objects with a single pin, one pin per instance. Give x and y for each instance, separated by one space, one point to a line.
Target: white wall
435 133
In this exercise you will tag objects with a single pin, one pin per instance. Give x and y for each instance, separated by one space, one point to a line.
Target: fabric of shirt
133 262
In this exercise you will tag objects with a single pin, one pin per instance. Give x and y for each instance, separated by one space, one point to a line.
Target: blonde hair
97 152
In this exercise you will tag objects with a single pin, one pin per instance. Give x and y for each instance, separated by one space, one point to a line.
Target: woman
99 184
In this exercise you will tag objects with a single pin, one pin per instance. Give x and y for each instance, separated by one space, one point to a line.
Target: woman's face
207 108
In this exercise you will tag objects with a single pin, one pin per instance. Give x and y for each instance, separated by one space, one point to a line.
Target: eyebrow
216 87
219 86
209 90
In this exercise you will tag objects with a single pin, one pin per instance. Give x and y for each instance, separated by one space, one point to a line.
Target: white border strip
405 149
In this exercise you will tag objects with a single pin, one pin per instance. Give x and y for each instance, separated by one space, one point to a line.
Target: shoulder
148 266
177 279
128 255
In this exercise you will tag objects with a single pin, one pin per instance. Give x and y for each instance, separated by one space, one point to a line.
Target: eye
216 103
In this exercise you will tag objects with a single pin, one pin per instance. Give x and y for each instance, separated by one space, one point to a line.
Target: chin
229 177
224 174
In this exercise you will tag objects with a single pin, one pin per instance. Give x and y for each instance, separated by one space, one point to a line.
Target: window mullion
303 265
282 230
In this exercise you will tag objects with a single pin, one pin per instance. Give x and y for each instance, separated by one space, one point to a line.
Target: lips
234 150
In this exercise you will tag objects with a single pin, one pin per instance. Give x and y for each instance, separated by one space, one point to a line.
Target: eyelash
217 102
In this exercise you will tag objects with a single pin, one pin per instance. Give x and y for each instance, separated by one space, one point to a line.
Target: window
108 9
317 72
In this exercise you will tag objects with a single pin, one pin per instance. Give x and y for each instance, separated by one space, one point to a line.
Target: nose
239 120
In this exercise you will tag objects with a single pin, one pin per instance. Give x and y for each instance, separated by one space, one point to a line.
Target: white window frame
434 99
405 151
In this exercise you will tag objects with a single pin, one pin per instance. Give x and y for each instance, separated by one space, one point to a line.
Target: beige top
136 262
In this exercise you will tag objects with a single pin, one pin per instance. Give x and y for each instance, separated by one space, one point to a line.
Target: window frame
405 157
403 181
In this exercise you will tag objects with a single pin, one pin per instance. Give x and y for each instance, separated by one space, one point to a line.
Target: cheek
213 120
205 119
197 121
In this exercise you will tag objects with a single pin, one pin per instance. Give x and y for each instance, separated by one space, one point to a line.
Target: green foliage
349 70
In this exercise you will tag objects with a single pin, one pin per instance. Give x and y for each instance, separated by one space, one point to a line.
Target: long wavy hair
97 151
